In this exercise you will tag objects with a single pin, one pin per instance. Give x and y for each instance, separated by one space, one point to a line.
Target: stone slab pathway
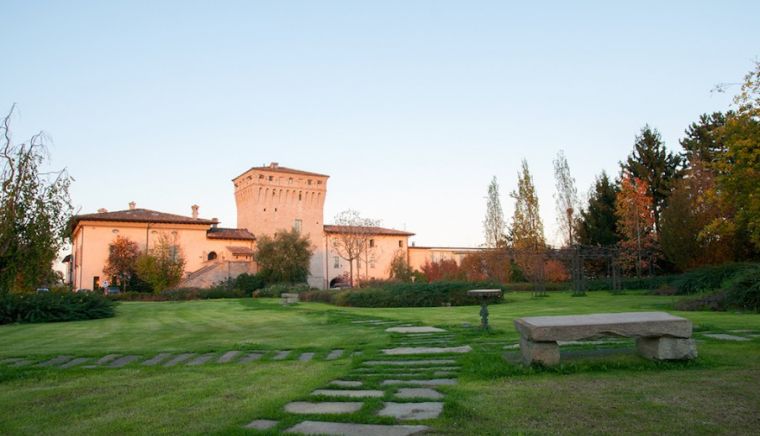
55 361
158 358
281 355
410 362
228 357
432 382
261 424
413 393
726 337
305 357
123 361
403 351
75 362
345 429
359 393
346 383
414 330
322 408
410 411
334 354
179 359
251 357
200 360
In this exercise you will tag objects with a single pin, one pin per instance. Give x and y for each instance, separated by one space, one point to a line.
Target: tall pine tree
597 224
656 166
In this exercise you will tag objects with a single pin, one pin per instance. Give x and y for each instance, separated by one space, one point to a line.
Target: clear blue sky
410 106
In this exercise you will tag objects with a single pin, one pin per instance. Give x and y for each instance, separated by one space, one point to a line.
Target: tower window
400 243
371 243
336 262
297 225
271 178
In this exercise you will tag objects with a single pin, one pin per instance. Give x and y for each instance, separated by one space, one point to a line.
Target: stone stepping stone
409 362
323 408
251 357
55 361
408 411
346 383
228 357
123 361
411 393
725 337
158 358
345 429
431 382
404 351
261 424
368 393
74 362
200 360
334 354
281 355
179 359
305 357
17 362
414 330
105 359
365 321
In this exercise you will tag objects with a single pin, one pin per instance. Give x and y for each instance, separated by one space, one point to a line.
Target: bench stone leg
545 353
666 348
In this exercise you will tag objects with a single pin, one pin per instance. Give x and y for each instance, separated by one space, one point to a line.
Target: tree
527 230
635 212
283 258
163 265
444 269
494 221
122 260
352 242
34 212
400 269
652 163
703 141
597 224
566 198
738 179
493 265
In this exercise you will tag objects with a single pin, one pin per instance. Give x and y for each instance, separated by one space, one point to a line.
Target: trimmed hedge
743 290
53 307
434 294
277 289
708 278
180 294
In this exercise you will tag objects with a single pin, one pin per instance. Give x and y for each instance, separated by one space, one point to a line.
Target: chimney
214 223
195 211
132 205
102 210
274 165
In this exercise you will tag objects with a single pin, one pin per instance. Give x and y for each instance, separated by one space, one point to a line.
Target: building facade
268 199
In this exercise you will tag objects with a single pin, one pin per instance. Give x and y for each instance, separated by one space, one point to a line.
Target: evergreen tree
494 221
283 258
527 231
653 164
703 141
597 224
566 198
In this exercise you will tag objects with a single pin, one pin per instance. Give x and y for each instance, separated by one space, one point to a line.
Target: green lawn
609 394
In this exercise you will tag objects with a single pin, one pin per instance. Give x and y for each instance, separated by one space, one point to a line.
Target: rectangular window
371 243
336 262
297 225
400 244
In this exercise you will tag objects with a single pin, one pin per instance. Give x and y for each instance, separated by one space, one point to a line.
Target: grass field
620 393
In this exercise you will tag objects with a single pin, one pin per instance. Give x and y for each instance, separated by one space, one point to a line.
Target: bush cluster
738 288
53 307
708 278
392 294
181 294
277 289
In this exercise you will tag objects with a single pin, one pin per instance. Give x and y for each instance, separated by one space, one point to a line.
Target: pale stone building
268 199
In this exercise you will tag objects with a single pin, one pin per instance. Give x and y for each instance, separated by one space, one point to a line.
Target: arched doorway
212 255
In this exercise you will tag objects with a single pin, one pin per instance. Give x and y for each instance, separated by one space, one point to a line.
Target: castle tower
272 198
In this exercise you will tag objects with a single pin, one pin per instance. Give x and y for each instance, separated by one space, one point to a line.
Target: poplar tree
566 198
527 231
494 221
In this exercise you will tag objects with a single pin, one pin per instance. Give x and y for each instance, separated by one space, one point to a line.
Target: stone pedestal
667 348
545 353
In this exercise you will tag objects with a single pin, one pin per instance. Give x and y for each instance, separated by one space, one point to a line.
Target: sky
411 107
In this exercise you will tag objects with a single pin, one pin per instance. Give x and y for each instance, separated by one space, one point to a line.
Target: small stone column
545 353
666 348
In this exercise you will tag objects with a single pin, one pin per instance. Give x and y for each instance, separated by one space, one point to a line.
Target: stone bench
289 298
659 335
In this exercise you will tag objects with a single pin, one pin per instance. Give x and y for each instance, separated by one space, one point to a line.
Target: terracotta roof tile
141 216
370 230
278 169
229 233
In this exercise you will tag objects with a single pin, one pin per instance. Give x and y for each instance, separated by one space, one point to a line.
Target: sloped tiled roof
369 230
230 233
240 250
140 216
280 169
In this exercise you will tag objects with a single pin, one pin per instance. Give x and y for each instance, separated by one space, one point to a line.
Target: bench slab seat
659 335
